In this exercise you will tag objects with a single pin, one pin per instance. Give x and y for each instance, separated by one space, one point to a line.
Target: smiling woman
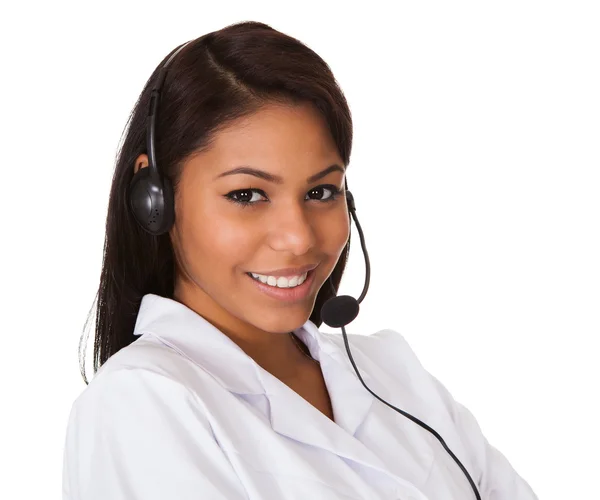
228 229
282 220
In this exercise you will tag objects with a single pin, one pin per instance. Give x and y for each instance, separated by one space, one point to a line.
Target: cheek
215 242
337 231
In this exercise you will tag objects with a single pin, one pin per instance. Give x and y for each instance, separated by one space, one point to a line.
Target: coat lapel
294 417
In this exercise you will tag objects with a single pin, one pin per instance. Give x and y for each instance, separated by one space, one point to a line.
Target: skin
217 241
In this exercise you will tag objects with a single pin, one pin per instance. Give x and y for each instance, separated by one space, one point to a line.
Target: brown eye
318 191
245 197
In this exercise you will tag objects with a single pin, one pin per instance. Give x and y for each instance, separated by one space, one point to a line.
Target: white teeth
281 281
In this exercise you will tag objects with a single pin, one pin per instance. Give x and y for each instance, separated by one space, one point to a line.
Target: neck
276 352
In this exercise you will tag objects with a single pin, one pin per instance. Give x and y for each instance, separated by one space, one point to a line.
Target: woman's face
290 223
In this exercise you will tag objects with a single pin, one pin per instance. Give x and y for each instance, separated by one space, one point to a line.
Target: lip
295 294
289 271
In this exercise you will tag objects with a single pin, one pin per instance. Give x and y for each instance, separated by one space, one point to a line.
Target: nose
292 229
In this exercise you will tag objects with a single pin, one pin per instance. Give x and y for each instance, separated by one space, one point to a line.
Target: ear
140 162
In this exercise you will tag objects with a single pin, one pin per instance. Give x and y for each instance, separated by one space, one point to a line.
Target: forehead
276 132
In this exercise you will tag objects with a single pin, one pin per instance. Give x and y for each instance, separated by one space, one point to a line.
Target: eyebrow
261 174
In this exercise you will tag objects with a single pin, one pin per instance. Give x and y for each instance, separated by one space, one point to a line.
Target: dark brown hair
219 77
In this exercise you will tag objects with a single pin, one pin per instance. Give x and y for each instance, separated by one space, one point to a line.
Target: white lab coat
183 413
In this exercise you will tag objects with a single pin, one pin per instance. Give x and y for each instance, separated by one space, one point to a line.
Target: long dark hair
217 78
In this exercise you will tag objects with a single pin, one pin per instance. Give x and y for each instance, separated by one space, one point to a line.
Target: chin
282 321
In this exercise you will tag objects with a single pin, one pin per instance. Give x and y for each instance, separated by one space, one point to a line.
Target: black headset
151 194
151 201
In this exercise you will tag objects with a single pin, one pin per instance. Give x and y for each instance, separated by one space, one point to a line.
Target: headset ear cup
151 204
168 206
139 197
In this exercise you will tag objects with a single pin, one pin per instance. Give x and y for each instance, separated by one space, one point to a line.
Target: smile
290 293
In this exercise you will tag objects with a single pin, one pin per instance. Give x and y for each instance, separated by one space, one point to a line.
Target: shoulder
387 348
395 369
147 354
145 372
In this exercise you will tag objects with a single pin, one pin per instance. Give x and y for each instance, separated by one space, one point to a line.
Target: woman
212 378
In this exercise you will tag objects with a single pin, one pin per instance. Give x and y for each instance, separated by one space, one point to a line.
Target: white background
475 168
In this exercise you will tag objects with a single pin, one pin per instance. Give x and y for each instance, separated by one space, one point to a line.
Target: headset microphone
151 201
339 311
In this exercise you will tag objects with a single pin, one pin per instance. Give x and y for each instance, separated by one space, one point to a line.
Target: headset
151 201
